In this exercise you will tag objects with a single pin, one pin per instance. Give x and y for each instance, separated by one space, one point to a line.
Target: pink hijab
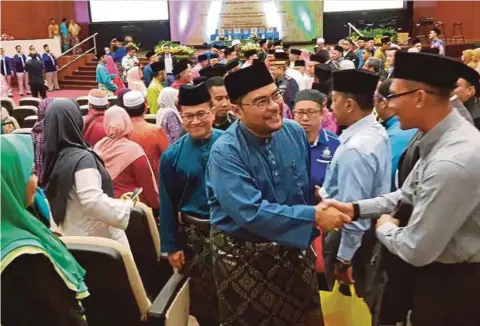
116 150
111 66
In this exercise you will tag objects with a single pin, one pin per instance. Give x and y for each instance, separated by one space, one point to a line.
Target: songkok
296 51
271 52
247 79
149 54
100 53
339 48
212 71
320 40
199 80
249 53
216 46
386 39
213 56
323 71
236 42
346 64
281 56
202 57
310 95
299 63
277 43
191 95
472 77
133 99
431 69
263 41
319 57
180 67
97 97
232 64
229 51
384 88
355 81
158 66
322 87
222 47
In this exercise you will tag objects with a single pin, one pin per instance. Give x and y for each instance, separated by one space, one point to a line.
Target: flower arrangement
250 46
175 48
6 37
377 34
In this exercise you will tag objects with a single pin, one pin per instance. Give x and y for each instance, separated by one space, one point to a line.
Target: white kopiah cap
236 42
320 40
97 97
133 99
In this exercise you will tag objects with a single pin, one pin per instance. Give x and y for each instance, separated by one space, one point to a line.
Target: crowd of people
271 179
67 33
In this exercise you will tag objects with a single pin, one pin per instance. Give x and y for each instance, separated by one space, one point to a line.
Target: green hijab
21 232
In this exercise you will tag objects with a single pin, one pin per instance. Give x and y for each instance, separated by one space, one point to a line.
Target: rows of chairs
135 287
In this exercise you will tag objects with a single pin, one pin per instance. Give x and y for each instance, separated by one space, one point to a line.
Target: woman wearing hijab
9 123
134 80
113 70
77 184
28 245
38 136
168 117
125 160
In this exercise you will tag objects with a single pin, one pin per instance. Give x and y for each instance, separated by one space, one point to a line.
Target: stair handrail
94 49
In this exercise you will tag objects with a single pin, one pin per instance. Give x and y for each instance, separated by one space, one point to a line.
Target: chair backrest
151 118
8 104
144 239
82 100
23 131
117 296
29 101
29 121
21 112
112 100
84 109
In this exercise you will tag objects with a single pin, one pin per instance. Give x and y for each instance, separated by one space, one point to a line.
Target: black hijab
65 153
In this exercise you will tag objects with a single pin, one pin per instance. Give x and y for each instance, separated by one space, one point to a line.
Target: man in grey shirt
442 236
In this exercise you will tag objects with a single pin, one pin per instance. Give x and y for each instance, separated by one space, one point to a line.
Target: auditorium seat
144 240
29 121
84 109
112 100
117 295
82 100
8 104
33 101
21 112
151 118
23 131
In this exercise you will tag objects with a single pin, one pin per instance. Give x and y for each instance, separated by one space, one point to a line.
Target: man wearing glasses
360 169
182 191
263 222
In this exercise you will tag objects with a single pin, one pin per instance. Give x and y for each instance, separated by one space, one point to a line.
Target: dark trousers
447 295
38 89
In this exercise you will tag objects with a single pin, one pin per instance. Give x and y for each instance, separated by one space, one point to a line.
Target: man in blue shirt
259 192
323 144
360 169
50 62
182 191
399 139
6 69
19 64
147 70
104 79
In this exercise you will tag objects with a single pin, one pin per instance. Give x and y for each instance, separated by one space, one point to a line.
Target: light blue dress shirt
361 168
258 188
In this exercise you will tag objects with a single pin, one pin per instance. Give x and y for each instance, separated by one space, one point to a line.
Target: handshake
331 214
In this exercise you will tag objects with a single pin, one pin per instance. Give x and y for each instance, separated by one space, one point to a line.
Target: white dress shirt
168 63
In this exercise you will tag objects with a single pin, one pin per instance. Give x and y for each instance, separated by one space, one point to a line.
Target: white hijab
166 101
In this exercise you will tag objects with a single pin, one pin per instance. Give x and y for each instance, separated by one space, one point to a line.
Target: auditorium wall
450 12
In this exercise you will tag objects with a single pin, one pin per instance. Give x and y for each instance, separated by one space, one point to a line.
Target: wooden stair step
82 77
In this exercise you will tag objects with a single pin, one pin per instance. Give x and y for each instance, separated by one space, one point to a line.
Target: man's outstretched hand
330 218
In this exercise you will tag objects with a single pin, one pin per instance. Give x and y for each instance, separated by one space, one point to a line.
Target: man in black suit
170 61
349 53
35 69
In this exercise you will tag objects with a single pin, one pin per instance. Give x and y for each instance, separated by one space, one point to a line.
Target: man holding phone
182 190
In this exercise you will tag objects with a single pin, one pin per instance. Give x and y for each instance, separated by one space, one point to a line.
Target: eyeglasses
262 103
202 115
392 96
308 113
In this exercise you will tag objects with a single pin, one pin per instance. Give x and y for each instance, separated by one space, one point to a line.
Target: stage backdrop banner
197 22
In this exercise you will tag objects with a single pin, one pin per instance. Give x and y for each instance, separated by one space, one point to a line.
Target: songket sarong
263 284
198 266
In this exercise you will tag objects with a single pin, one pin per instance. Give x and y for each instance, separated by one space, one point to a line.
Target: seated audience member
93 121
121 93
134 80
77 184
38 136
9 123
125 160
168 117
152 138
28 246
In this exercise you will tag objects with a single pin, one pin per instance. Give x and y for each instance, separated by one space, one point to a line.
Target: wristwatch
356 211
